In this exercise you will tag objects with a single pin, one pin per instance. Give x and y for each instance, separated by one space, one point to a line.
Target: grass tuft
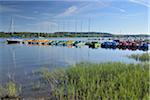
140 57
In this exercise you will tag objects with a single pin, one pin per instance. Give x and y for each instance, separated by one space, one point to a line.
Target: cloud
82 7
8 9
24 17
69 11
88 6
44 24
47 23
119 9
108 4
145 3
97 5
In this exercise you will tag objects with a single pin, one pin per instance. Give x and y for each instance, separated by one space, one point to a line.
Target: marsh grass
2 91
10 91
140 57
87 81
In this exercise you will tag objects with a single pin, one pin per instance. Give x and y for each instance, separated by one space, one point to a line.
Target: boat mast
76 25
81 29
11 27
89 27
58 26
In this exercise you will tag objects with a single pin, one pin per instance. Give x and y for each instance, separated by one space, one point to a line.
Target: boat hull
13 41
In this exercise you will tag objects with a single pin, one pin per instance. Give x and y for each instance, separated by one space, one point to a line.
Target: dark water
19 61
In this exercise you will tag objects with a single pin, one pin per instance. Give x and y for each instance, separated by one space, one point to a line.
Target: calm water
20 60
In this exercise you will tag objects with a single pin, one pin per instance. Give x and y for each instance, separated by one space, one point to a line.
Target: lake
19 61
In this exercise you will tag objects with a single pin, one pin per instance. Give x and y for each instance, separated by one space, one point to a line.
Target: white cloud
97 4
25 17
47 23
84 6
120 9
141 2
108 4
104 4
88 7
44 24
69 11
8 9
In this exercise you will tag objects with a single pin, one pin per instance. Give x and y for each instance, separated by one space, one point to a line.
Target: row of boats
113 44
133 45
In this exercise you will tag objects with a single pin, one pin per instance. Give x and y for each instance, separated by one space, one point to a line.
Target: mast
11 27
81 29
76 26
89 27
58 26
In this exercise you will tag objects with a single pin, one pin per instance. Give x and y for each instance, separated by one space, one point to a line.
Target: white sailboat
13 40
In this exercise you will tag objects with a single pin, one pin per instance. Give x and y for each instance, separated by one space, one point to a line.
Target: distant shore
66 34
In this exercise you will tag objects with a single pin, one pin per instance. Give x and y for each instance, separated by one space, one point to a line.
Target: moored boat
14 40
94 45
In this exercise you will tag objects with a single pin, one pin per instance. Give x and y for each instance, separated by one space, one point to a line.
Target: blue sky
115 16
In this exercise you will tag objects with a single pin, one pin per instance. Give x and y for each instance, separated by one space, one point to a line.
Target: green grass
140 57
106 81
11 89
2 91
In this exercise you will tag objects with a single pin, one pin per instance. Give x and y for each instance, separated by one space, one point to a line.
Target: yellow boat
70 42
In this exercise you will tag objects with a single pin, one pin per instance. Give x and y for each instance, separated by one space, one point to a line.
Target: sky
114 16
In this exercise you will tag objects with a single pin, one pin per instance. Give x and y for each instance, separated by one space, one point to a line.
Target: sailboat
13 40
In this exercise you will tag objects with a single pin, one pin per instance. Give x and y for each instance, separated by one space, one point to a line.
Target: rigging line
49 28
58 26
81 26
76 48
82 40
63 24
68 25
75 25
88 37
10 30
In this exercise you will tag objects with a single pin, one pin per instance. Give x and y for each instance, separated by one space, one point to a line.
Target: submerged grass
141 57
86 81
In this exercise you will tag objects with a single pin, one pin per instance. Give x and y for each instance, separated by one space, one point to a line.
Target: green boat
94 45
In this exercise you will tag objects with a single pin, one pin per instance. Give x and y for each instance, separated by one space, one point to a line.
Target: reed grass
140 57
10 90
108 81
2 91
